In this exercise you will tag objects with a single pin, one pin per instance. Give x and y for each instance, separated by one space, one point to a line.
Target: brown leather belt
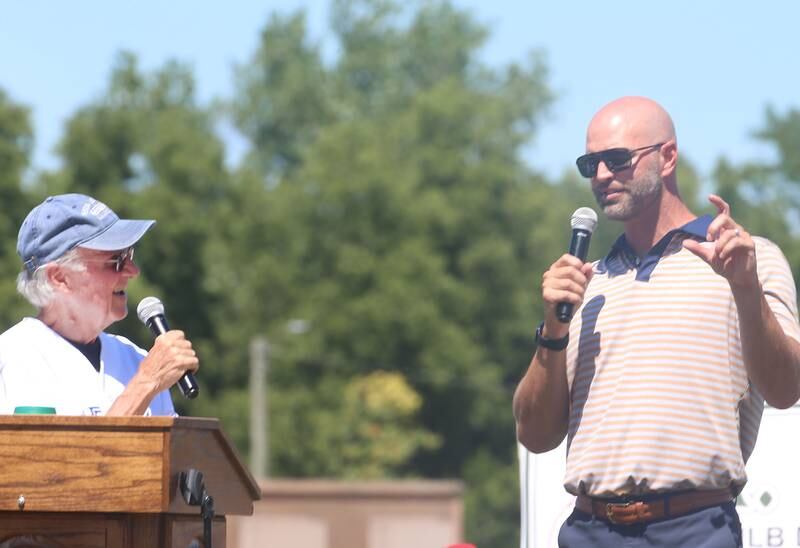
652 509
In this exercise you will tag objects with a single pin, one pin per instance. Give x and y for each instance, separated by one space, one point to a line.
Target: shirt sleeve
778 285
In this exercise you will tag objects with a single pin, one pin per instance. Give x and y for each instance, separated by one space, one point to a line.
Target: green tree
384 201
16 140
364 429
765 195
282 98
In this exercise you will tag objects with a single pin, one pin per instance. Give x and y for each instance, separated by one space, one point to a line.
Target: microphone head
584 218
149 307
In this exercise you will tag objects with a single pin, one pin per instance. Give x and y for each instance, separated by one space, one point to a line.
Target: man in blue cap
78 260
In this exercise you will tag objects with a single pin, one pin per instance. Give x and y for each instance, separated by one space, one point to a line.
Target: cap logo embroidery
96 209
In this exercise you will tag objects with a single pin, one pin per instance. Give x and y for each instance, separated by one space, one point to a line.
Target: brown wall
337 514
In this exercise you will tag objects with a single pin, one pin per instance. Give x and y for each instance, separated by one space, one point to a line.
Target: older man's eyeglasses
117 261
615 159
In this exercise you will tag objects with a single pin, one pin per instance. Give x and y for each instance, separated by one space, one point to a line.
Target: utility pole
259 404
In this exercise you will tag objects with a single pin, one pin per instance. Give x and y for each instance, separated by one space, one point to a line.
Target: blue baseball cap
67 221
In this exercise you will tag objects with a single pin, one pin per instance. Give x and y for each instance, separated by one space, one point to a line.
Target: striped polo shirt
659 395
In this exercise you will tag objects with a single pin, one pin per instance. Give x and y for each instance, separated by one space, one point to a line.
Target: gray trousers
715 527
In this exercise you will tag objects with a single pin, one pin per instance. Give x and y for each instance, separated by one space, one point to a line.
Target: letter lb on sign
767 506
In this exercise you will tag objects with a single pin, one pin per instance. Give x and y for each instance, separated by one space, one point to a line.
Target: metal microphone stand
194 492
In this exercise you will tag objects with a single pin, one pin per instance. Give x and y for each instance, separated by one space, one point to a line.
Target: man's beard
636 197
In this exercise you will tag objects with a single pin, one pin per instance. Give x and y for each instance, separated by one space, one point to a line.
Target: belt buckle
611 506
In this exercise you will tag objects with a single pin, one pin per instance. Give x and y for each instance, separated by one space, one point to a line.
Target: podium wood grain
112 478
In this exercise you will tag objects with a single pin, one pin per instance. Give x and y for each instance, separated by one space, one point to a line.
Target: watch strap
550 344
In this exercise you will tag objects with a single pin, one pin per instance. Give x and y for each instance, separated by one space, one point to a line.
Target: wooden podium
114 481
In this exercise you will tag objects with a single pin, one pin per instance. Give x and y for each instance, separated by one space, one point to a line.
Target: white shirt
38 367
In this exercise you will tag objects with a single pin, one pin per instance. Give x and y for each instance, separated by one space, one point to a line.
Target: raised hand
728 248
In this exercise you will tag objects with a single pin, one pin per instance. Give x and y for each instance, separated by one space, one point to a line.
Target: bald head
629 122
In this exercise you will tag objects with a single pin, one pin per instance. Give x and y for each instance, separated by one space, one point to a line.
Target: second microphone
151 313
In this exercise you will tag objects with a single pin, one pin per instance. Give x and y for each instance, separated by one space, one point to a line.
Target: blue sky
714 65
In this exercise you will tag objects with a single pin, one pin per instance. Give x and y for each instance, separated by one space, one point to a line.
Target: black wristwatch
550 344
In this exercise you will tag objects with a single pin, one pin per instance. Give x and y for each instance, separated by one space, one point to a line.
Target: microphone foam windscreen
149 307
584 218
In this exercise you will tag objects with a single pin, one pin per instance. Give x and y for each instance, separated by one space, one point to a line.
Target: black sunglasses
615 159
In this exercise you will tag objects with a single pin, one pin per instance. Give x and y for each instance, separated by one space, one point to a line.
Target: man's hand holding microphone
172 358
564 283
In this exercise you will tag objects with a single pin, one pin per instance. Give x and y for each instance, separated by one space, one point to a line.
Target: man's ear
57 276
669 153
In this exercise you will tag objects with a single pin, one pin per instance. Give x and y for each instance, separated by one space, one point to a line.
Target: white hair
36 287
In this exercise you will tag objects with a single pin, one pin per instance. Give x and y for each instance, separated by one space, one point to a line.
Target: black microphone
583 222
151 312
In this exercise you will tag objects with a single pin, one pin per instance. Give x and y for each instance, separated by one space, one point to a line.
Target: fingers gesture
728 249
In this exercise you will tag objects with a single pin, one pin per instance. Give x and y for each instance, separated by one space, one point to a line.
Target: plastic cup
34 410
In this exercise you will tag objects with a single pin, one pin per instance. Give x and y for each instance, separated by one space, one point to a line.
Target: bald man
680 334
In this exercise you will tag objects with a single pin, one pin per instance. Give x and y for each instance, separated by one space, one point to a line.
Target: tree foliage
16 140
765 195
384 202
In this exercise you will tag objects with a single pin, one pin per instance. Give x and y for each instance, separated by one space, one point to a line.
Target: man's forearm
541 402
771 358
135 399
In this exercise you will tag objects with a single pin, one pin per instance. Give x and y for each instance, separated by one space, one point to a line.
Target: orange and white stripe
660 399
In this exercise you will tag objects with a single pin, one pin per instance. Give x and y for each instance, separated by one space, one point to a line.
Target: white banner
768 506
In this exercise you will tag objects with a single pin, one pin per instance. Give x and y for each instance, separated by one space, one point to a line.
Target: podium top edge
102 422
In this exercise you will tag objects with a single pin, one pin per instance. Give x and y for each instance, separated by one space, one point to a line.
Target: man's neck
645 231
67 323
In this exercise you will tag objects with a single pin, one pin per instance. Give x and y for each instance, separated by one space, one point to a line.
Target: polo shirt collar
622 257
